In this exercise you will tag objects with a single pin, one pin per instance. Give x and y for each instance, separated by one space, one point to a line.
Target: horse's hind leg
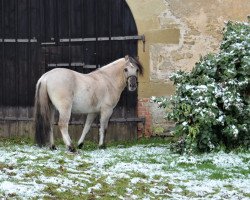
89 120
103 127
63 123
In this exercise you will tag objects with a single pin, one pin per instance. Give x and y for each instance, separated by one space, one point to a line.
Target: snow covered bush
211 106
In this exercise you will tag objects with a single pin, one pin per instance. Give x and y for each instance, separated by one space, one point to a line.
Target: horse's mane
133 60
136 62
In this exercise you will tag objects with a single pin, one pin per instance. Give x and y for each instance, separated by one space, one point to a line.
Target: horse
92 94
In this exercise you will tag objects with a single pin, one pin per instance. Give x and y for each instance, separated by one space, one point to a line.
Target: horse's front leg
104 119
89 120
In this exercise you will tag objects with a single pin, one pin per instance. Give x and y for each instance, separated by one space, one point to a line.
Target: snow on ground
28 171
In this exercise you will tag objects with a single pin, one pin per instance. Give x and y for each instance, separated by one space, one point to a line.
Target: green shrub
211 105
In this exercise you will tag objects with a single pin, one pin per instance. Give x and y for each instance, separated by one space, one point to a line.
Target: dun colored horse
96 93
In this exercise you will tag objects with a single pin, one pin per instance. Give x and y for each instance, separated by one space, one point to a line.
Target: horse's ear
126 57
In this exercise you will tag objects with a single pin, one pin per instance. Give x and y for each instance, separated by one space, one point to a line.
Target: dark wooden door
83 35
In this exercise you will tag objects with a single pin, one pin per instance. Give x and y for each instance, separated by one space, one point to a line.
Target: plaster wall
178 33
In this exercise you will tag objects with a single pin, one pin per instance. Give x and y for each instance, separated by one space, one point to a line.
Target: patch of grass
107 165
83 166
90 145
16 140
246 195
185 165
219 175
54 191
168 168
10 195
206 165
244 172
157 177
229 187
21 160
125 158
105 191
140 189
149 142
121 185
3 165
31 174
149 159
135 174
188 193
46 171
170 187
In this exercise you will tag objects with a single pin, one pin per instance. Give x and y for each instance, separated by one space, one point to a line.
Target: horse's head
132 68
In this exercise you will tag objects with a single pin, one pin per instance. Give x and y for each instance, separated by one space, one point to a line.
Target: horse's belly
84 105
83 109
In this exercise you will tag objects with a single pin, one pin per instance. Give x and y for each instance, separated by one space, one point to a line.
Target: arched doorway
83 35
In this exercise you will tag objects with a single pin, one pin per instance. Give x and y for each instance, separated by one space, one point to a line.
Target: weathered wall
177 33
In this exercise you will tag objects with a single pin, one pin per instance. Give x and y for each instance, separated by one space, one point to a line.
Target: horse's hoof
80 145
52 147
72 149
103 146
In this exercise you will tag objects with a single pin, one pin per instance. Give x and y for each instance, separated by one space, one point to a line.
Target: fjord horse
96 93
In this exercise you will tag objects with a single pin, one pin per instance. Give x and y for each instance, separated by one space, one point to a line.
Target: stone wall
177 34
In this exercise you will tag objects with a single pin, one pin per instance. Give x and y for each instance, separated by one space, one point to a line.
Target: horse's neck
115 72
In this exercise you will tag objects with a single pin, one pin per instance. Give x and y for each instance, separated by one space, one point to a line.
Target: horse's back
67 88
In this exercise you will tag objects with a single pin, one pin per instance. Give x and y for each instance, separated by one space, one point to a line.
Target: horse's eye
126 70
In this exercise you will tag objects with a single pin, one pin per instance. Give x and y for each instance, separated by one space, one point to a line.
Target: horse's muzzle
132 83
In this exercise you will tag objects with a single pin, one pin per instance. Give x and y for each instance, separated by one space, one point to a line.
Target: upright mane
133 60
136 62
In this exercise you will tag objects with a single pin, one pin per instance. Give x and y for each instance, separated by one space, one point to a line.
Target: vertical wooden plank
63 30
35 64
1 56
49 19
117 16
76 32
26 129
4 129
13 129
89 31
22 66
75 18
10 98
42 21
103 23
53 50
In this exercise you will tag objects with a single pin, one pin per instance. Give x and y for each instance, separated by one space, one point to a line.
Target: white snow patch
98 186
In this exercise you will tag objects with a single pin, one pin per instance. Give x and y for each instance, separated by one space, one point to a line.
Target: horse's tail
43 114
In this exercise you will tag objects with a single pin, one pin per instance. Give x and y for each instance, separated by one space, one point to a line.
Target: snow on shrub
211 103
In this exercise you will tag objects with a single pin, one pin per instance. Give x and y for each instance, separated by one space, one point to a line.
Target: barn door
39 35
